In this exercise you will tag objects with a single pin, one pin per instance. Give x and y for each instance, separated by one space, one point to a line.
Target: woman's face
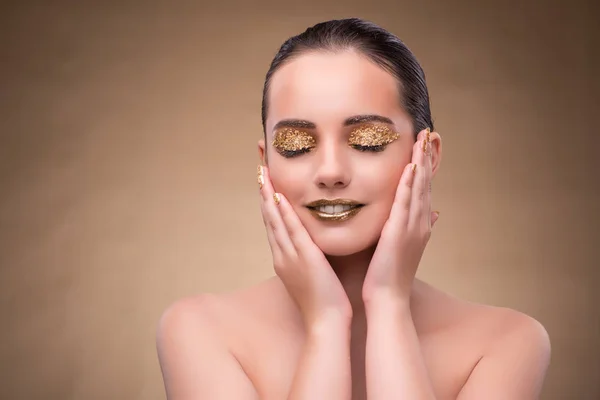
319 147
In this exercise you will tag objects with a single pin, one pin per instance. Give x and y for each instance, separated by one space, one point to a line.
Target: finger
434 217
402 200
275 250
421 181
430 174
298 234
428 222
274 221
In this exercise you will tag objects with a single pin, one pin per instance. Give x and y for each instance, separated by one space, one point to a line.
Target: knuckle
274 227
293 233
426 233
278 265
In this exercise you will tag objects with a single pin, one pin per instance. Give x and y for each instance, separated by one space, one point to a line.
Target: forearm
323 371
395 368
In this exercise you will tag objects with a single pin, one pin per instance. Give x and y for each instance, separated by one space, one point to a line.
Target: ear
436 151
262 154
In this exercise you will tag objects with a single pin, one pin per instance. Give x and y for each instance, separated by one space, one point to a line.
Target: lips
334 210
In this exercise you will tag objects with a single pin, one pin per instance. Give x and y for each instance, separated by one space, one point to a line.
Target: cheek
381 182
288 180
392 181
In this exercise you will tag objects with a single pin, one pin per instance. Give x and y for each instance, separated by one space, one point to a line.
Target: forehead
328 87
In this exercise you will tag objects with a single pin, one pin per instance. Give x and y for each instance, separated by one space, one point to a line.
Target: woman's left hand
405 233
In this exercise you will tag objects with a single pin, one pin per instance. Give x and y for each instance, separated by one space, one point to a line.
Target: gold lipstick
334 210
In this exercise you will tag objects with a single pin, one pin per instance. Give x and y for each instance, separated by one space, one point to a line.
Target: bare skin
454 336
344 317
450 333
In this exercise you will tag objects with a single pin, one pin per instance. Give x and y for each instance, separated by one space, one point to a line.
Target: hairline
302 50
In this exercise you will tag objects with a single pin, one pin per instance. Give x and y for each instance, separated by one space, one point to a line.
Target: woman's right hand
298 261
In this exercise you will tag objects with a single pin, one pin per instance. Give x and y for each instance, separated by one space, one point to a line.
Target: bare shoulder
492 322
189 319
512 330
216 311
507 352
194 356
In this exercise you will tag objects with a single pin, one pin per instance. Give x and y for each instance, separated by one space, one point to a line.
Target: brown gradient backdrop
127 172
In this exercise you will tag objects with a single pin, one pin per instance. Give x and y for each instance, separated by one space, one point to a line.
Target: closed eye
374 149
293 153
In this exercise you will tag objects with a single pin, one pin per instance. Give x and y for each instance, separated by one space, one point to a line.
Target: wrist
331 324
386 305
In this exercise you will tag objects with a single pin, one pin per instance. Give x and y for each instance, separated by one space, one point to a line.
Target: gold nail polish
261 181
414 168
259 177
276 198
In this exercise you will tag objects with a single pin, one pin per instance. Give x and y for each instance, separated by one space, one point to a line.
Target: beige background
127 173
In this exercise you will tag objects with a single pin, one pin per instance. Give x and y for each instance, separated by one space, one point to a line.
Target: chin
340 242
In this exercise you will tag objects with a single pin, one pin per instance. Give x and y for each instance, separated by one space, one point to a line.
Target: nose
332 171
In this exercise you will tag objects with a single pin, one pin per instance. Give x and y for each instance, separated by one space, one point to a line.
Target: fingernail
260 178
277 198
414 168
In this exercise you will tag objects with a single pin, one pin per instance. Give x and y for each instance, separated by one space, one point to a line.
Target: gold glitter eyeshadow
289 139
372 135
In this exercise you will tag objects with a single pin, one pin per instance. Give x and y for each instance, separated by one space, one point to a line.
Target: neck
351 271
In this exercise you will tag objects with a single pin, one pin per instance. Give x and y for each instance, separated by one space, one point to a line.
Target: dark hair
379 45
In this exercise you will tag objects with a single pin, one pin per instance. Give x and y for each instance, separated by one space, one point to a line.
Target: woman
348 155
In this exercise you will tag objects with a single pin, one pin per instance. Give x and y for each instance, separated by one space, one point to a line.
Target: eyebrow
354 120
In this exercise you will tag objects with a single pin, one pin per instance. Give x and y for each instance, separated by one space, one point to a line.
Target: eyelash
295 153
374 149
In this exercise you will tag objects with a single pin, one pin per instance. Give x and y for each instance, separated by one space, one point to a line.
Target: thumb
434 217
